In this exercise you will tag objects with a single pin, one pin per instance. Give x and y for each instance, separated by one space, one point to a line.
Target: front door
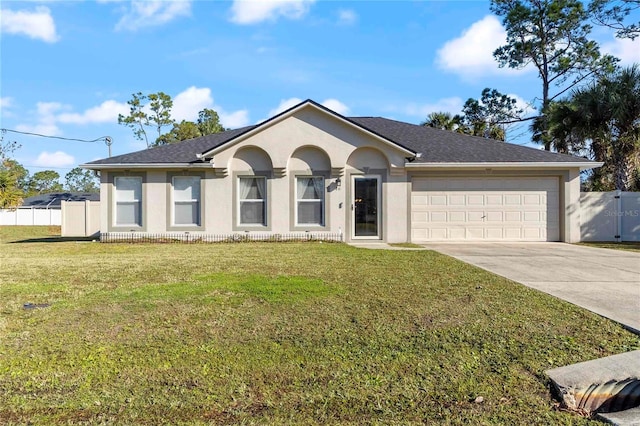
366 207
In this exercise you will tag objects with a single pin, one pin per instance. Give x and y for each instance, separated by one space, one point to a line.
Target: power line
106 139
47 168
102 138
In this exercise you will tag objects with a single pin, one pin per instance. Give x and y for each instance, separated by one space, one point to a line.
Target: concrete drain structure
608 397
608 388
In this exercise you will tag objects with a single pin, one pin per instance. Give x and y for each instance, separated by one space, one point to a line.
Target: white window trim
298 200
240 200
116 202
197 201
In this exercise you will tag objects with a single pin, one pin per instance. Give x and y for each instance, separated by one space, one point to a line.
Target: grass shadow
54 240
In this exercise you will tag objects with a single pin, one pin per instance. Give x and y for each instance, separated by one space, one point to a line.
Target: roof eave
582 165
285 114
90 166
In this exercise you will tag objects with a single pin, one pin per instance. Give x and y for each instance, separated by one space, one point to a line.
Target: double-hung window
186 200
128 199
310 200
252 201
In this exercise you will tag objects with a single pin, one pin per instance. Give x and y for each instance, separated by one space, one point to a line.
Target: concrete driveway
603 281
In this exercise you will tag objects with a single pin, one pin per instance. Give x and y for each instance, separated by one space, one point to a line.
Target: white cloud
46 119
46 110
452 105
347 17
471 54
332 104
36 24
151 13
236 119
106 112
54 159
188 103
527 107
626 49
255 11
284 105
337 106
41 129
6 102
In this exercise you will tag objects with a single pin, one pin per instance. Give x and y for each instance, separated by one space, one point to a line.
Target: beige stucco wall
282 151
570 197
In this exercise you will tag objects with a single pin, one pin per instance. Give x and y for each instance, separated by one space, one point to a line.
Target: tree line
587 105
16 183
152 112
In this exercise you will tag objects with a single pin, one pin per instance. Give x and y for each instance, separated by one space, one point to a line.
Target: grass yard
629 246
277 333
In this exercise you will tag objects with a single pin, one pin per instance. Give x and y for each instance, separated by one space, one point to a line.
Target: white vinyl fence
610 216
29 216
80 218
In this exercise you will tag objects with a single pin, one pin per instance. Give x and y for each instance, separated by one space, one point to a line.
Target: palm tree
444 121
605 116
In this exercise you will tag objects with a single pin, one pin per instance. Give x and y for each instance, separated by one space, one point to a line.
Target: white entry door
485 208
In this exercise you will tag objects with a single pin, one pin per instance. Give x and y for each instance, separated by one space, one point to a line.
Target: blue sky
68 68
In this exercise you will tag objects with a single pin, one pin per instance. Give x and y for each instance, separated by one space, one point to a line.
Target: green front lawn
277 333
629 246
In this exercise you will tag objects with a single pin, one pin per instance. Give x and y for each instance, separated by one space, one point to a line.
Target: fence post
62 216
618 203
87 218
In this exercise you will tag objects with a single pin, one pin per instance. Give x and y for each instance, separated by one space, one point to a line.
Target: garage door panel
475 200
494 234
512 233
439 233
475 216
438 200
494 216
419 200
457 200
532 200
512 199
494 199
532 217
532 233
419 217
439 217
457 217
475 233
513 217
515 209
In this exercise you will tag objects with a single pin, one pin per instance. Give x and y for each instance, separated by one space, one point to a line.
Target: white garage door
489 209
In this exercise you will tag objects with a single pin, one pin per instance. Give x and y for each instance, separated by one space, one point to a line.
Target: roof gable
289 113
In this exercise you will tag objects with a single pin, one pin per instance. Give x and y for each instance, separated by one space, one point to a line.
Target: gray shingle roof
435 145
183 152
54 199
443 146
